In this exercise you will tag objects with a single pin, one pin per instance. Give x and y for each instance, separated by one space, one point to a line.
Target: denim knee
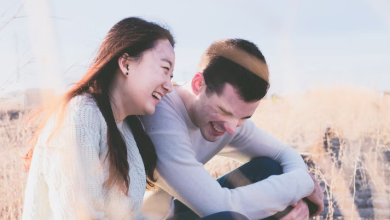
227 215
268 165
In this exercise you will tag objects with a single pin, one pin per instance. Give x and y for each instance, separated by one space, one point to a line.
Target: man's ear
197 83
123 63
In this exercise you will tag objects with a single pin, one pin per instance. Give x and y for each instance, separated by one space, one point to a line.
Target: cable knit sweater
67 173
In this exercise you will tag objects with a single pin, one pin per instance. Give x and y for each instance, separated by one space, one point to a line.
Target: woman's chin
149 110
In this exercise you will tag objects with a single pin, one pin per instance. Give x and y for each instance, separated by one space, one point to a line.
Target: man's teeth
216 128
156 95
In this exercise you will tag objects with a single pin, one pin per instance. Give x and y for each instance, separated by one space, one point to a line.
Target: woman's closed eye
167 68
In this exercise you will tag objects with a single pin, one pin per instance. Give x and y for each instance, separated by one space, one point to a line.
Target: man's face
217 114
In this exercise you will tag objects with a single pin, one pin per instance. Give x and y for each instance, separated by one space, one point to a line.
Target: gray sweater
182 152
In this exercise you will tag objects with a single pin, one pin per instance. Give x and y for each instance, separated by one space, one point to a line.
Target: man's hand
300 211
316 199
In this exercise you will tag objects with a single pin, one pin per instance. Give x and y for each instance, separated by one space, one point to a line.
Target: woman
92 158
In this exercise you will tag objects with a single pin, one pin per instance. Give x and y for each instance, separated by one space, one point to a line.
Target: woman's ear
123 63
197 83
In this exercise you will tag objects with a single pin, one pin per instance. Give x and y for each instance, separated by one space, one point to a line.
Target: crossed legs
255 170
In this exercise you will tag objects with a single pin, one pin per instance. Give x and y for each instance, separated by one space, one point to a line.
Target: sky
306 43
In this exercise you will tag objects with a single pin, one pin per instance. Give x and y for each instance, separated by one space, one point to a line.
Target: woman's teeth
156 95
217 128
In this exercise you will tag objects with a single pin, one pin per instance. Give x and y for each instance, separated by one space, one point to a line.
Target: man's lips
217 129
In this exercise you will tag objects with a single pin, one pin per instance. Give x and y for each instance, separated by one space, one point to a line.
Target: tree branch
13 17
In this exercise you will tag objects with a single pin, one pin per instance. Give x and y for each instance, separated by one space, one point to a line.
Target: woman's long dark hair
132 36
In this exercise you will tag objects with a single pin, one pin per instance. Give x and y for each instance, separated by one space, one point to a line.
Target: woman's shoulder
81 112
84 100
84 107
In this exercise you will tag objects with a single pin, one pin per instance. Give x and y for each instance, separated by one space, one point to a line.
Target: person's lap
254 171
227 215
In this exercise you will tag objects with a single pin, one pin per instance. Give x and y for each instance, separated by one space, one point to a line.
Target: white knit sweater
67 173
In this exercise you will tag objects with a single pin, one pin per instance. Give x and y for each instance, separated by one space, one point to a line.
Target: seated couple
96 150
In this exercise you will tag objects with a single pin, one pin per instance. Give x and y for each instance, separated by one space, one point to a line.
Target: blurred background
306 43
329 70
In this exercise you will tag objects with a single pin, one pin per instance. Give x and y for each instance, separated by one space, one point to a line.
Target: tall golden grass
359 117
13 176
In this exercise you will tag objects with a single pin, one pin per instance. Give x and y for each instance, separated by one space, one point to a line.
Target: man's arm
182 176
250 142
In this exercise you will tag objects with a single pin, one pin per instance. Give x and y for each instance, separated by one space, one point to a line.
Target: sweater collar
120 125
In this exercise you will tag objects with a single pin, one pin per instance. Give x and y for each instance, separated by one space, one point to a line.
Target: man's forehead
231 101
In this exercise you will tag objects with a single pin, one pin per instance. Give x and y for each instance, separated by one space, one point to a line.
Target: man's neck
188 98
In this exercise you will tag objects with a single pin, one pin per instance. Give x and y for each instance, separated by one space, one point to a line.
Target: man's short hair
239 63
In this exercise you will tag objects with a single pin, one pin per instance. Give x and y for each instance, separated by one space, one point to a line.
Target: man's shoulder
247 129
167 117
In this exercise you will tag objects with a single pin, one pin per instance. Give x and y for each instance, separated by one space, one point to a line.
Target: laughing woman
92 158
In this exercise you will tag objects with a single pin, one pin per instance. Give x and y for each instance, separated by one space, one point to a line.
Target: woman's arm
72 167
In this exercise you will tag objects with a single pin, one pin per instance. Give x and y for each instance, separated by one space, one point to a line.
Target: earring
127 73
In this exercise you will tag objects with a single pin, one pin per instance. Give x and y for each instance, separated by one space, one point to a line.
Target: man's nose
231 126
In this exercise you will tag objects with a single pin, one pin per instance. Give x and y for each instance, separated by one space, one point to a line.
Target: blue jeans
255 170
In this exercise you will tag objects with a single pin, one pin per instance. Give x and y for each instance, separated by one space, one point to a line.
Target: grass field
345 132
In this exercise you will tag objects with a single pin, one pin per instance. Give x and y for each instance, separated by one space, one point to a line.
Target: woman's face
149 78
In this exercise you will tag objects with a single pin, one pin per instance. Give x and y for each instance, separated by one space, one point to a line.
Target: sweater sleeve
182 176
250 142
72 167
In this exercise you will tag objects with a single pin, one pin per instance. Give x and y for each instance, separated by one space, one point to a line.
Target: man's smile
218 130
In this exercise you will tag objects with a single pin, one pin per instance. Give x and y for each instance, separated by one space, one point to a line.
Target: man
210 116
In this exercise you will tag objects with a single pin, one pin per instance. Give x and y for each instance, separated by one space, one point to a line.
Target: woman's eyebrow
166 60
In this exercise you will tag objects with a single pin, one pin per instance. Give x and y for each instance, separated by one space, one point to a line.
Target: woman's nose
168 86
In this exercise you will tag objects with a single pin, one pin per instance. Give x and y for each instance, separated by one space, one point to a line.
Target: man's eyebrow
231 114
225 111
166 60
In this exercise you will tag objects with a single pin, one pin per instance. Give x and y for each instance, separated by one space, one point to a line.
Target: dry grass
13 177
360 118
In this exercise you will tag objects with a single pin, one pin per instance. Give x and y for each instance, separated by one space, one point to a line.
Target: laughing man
211 116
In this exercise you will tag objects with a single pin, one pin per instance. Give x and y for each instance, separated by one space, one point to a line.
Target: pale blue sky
306 43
